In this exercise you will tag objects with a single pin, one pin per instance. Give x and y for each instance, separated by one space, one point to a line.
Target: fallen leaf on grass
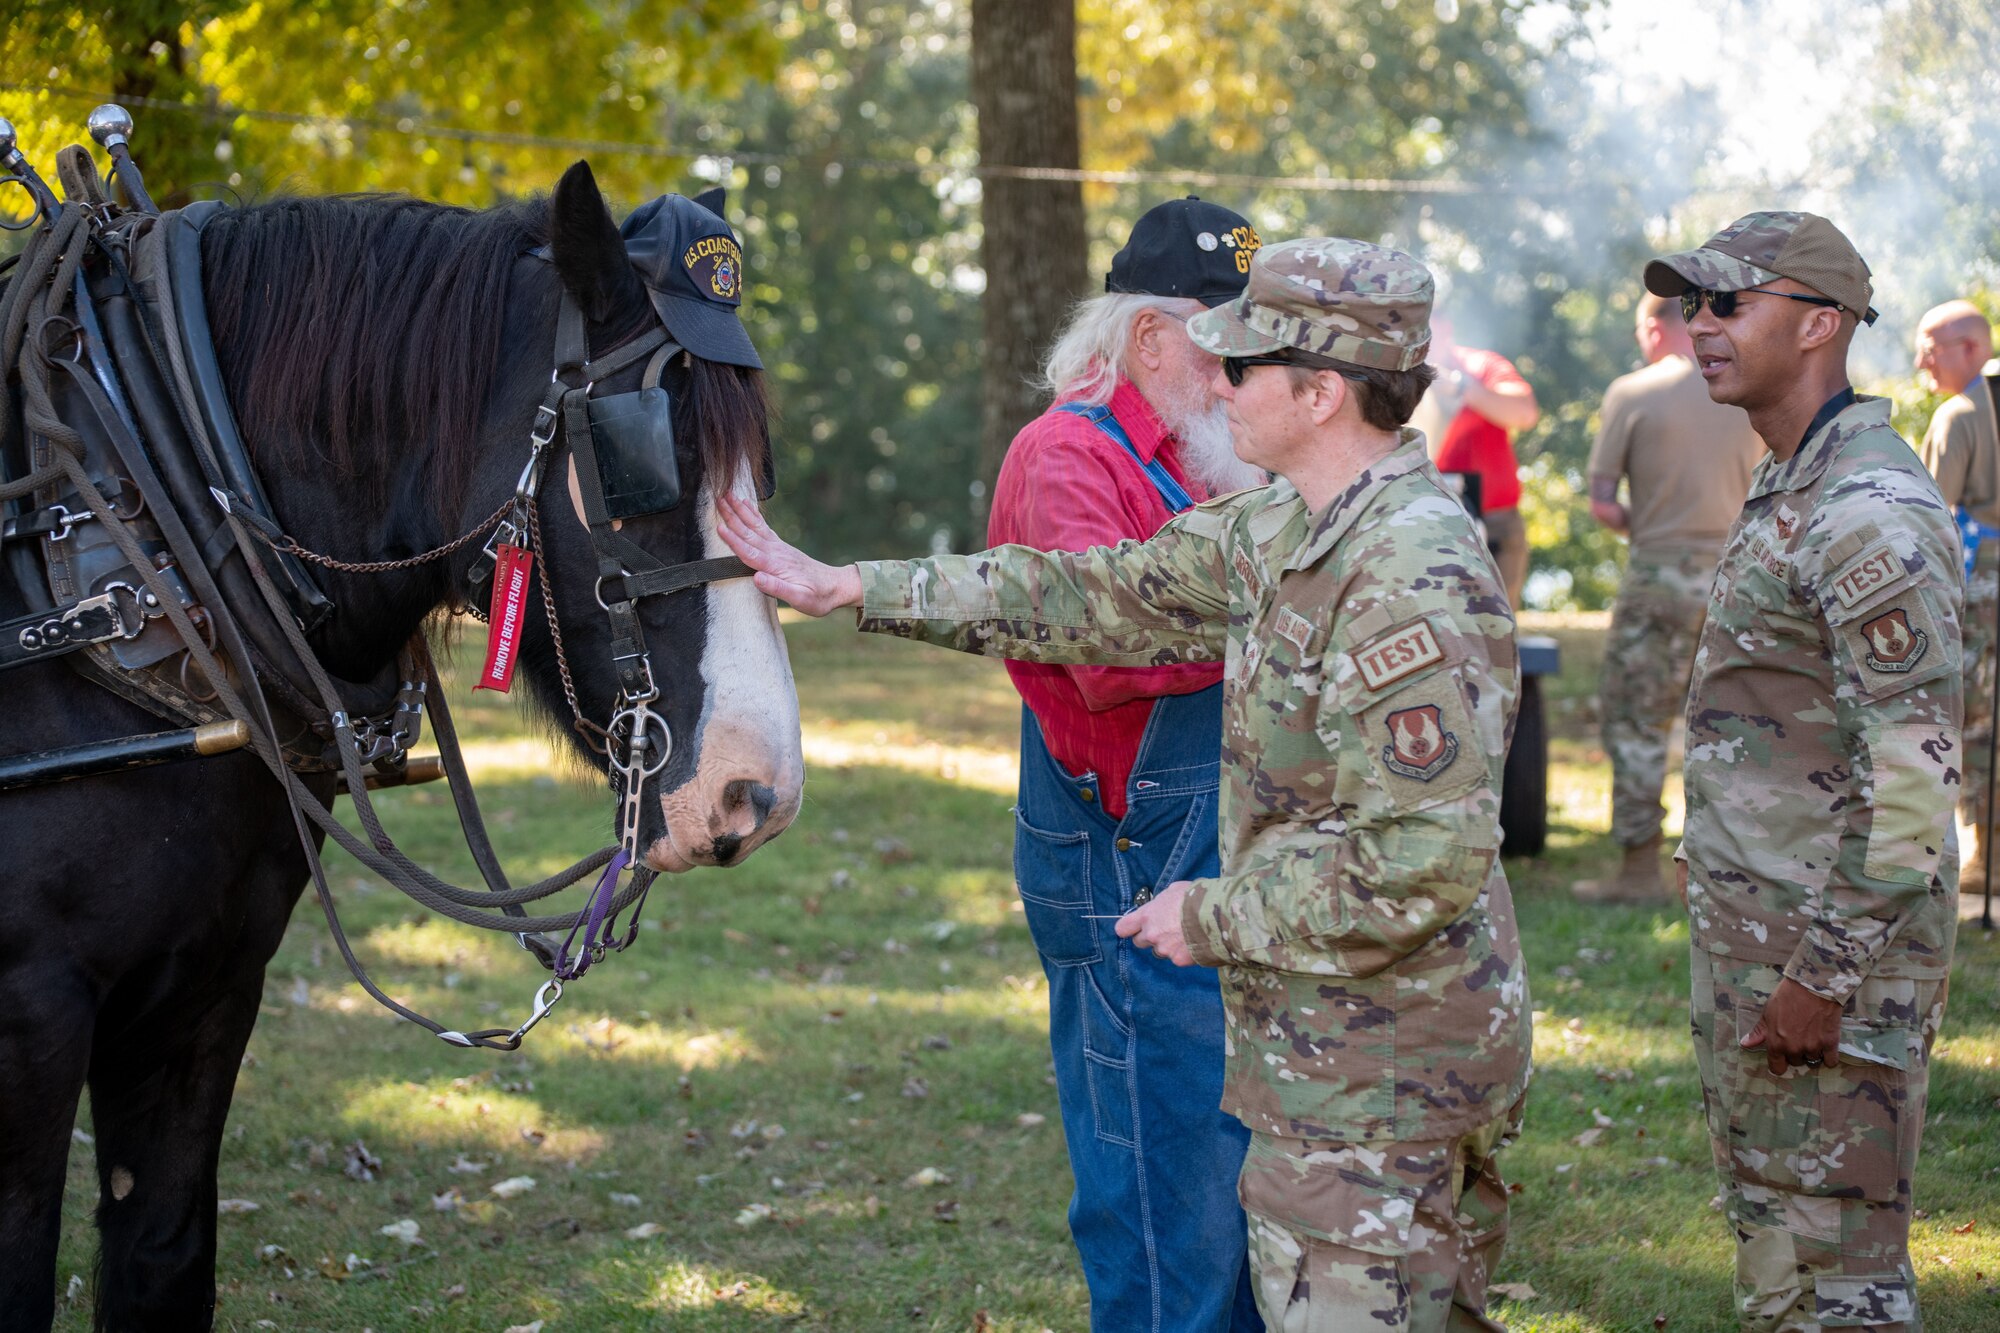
1659 1321
981 1322
465 1166
627 1200
1030 1119
755 1213
1513 1291
405 1230
930 1175
361 1164
1966 1229
643 1231
74 1293
535 1327
447 1201
946 1211
236 1206
916 1088
513 1185
1588 1139
535 1136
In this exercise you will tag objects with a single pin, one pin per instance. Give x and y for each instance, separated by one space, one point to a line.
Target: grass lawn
731 1126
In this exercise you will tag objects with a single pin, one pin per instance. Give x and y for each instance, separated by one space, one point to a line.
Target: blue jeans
1138 1041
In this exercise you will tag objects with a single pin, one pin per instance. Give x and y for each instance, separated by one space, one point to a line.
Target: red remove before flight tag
510 599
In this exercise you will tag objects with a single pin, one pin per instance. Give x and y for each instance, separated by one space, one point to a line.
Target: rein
48 292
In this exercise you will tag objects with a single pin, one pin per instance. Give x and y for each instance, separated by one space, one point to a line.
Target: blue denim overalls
1138 1041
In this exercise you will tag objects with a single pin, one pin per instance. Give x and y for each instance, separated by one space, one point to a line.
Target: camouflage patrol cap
1348 300
1762 247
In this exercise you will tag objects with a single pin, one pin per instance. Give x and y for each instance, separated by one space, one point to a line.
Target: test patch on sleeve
1862 578
1401 652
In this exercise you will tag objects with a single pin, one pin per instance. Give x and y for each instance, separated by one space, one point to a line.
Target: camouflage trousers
1647 658
1377 1237
1982 592
1816 1164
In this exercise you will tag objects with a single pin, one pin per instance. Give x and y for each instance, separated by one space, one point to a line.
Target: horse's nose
746 804
747 797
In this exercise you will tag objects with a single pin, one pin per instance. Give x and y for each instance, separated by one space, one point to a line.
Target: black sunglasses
1724 303
1234 368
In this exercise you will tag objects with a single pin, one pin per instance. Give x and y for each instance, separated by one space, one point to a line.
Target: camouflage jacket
1823 744
1371 969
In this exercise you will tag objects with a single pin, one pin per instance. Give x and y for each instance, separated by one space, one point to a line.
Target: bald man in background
1954 356
1686 462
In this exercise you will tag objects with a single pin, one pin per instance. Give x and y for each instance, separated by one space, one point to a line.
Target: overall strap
1172 493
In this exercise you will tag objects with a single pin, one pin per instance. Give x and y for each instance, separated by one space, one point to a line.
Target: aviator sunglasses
1723 304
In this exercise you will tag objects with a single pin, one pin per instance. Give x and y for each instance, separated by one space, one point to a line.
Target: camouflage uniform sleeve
1149 603
1411 831
1881 558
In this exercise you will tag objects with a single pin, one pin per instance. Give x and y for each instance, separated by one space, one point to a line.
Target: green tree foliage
865 290
371 86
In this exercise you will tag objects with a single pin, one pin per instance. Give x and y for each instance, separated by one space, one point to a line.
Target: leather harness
169 582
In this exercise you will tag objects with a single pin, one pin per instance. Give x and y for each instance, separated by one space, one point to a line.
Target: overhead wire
414 128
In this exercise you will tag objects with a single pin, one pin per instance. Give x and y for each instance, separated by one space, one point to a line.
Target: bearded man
1118 788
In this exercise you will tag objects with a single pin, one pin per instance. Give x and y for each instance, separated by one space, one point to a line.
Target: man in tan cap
1685 461
1371 969
1820 863
1954 357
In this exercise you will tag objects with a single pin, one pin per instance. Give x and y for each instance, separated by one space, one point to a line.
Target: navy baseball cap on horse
1186 247
693 269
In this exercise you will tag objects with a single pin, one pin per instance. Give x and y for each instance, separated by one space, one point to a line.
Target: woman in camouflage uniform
1371 970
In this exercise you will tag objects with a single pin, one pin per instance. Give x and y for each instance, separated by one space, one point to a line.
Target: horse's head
388 358
734 777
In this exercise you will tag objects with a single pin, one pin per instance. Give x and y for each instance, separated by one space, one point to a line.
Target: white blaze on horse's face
751 773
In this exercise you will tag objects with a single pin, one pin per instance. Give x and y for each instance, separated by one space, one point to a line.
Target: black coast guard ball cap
1186 247
693 269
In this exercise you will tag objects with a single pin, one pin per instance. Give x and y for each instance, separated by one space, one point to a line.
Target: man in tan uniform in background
1962 450
1686 461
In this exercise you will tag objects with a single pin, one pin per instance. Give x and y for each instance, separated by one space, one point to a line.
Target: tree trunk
1032 248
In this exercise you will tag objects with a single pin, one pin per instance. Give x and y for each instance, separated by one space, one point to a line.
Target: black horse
385 358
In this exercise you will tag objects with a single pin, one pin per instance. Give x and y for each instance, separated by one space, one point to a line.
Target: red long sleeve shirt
1474 444
1067 486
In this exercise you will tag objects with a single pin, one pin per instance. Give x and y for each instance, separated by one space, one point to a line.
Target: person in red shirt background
1481 403
1119 778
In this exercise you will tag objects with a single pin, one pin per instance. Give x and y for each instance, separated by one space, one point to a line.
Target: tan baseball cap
1348 300
1762 247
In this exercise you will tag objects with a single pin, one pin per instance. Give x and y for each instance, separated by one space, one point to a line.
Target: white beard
1200 422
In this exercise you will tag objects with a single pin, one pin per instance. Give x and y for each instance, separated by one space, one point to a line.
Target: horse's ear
713 200
587 249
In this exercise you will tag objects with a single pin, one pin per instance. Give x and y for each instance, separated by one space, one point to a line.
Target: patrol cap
693 269
1762 247
1348 300
1186 247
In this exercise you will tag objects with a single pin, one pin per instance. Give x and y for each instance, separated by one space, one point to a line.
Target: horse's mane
356 325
